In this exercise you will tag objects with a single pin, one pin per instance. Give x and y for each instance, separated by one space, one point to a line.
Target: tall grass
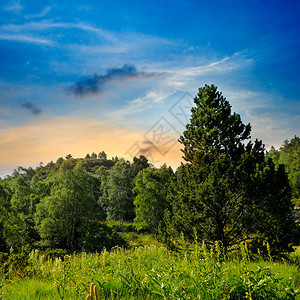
154 273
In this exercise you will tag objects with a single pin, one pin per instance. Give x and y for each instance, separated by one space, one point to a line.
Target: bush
96 236
3 257
124 228
15 263
55 253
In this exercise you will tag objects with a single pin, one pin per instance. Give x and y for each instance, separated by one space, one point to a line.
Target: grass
152 272
29 289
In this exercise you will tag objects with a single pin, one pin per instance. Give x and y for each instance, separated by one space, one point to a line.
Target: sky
120 76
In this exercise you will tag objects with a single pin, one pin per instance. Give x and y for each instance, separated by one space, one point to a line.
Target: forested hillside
229 189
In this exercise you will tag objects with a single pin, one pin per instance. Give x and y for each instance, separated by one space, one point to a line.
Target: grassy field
152 272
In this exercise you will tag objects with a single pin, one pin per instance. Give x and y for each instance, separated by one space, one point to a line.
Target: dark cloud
35 110
95 84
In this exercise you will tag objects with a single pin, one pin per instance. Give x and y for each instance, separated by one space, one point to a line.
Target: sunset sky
85 76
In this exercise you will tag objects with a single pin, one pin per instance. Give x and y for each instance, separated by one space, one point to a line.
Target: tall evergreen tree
227 190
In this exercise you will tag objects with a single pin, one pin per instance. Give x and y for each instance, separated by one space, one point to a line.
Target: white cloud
43 13
25 39
14 6
48 25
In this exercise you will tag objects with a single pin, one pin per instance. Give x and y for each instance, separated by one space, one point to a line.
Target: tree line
228 189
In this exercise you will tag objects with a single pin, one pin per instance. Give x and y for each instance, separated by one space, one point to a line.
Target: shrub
96 236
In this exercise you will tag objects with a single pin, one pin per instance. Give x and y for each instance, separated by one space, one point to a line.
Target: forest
230 201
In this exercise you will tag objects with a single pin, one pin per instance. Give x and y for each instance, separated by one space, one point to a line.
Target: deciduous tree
118 196
151 189
60 215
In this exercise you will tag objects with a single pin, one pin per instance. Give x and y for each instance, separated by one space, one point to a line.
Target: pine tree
227 190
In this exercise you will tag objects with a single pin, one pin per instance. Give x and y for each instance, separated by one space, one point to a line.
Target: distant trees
60 205
94 155
151 190
102 155
139 163
289 155
59 160
226 190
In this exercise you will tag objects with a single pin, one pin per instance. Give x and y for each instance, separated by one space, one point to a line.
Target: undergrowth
152 272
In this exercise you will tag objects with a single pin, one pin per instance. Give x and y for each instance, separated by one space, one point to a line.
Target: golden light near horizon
45 141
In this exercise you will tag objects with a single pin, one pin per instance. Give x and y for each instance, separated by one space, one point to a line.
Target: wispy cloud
96 84
43 13
32 108
49 25
133 46
14 6
226 64
23 38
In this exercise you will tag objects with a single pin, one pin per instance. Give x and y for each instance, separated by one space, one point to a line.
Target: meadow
153 272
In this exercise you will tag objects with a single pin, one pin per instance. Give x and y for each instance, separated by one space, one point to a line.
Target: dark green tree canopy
227 190
102 155
213 129
289 155
94 155
68 156
139 163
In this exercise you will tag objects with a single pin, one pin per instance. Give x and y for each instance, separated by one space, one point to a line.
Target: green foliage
227 190
151 189
139 163
94 155
52 254
116 192
59 216
20 195
16 264
96 236
4 215
102 155
289 156
51 206
59 160
153 273
68 156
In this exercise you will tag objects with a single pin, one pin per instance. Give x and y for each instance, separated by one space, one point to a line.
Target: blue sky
78 77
